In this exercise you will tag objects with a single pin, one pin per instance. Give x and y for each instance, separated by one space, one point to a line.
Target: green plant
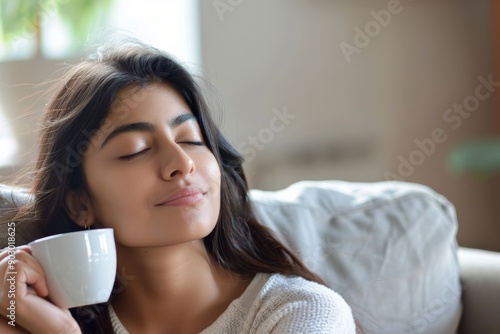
479 156
23 19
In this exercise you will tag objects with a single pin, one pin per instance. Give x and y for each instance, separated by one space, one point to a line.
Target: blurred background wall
364 90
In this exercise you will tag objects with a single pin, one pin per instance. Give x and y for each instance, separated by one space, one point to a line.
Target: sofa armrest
480 277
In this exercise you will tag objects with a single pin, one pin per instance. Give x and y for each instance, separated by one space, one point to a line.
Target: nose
176 162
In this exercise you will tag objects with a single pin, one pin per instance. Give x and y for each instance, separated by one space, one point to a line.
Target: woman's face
148 172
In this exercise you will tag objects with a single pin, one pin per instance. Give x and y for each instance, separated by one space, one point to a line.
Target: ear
79 208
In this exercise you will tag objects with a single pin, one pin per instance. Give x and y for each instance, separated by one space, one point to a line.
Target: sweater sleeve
313 310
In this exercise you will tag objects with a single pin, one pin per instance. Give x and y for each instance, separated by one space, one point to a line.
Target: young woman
128 143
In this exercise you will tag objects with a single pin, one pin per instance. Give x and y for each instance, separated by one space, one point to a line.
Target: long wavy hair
78 110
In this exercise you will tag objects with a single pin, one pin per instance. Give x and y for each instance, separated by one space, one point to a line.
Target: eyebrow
146 127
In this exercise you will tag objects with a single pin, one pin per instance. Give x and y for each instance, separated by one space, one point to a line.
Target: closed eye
138 154
195 143
133 156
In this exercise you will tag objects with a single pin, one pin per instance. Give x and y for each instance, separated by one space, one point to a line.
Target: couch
388 248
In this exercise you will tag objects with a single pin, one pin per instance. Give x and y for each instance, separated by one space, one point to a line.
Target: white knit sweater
274 303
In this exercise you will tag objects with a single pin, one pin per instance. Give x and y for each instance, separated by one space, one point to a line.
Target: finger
22 260
6 252
23 255
12 250
16 288
25 248
35 313
40 316
12 328
32 275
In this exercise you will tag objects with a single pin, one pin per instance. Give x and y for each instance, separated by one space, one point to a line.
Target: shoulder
275 303
281 290
291 303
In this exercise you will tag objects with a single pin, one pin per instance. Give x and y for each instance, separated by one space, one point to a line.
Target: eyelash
195 143
135 155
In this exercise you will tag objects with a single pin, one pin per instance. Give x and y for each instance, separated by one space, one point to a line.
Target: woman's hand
25 294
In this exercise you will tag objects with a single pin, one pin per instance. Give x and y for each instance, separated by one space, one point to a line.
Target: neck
177 287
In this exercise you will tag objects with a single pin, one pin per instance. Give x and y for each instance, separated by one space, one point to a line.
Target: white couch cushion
388 248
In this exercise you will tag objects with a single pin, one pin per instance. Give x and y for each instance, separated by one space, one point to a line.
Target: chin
171 236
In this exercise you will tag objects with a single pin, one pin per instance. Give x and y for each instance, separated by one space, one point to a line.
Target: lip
183 197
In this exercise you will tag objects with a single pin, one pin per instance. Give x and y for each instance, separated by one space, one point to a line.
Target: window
8 143
170 25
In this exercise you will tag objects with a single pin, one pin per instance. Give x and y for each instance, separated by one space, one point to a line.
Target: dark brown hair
78 111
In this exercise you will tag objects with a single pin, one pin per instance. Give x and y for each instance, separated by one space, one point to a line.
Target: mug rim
57 236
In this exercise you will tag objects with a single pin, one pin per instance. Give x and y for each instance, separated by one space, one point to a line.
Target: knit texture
275 303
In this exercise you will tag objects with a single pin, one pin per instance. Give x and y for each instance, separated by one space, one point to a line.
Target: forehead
156 98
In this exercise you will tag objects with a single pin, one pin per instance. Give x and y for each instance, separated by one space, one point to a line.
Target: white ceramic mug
80 267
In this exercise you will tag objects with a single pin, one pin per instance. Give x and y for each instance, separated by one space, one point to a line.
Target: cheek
212 173
115 196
